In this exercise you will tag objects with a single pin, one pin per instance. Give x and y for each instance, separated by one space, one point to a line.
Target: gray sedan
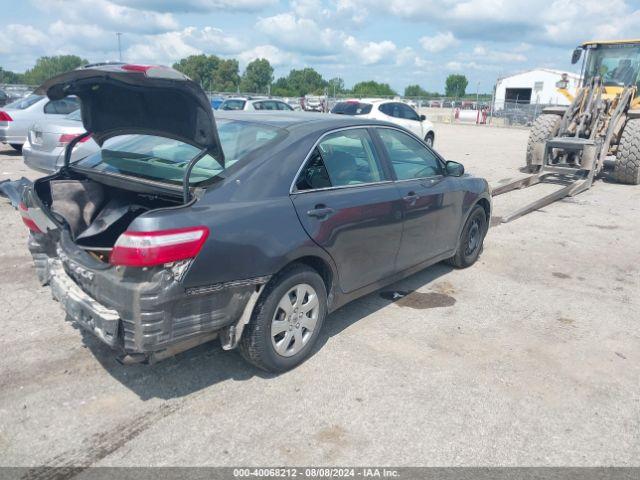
17 117
46 141
249 227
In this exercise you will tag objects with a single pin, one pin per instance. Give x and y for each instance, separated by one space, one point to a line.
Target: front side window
341 159
233 105
283 106
407 112
409 158
164 159
617 64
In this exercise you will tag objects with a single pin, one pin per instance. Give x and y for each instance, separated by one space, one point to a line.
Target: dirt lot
531 357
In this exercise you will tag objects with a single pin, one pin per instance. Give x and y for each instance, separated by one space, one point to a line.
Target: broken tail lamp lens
26 219
146 249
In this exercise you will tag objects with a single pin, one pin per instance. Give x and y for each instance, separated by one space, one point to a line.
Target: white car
254 104
390 111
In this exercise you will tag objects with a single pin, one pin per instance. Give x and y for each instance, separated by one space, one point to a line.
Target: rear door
431 201
347 204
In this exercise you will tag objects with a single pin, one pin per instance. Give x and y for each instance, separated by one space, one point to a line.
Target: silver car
47 139
17 117
254 104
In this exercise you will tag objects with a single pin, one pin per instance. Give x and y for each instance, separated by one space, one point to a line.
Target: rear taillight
65 138
24 212
145 249
5 117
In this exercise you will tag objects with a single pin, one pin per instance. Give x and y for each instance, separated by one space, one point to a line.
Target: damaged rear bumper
84 310
145 315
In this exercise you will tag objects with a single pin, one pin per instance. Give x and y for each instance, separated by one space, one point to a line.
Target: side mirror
454 169
423 118
577 53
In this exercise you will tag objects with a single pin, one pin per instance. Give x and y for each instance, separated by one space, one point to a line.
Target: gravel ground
533 360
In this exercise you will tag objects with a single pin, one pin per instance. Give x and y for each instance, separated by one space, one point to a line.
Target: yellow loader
573 145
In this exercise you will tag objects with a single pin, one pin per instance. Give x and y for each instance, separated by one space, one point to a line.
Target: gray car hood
138 99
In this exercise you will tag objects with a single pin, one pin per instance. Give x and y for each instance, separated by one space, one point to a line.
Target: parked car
249 227
251 104
4 98
17 117
47 139
435 104
313 103
216 102
391 111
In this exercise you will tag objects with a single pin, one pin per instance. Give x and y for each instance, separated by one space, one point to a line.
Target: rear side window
351 108
409 158
283 106
341 159
233 105
63 106
23 103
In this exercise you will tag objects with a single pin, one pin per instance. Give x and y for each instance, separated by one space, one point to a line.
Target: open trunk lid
121 99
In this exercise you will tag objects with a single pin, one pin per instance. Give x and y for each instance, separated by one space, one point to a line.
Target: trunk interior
95 214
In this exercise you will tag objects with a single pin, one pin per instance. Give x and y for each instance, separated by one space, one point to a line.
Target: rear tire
264 341
471 239
17 147
545 127
627 167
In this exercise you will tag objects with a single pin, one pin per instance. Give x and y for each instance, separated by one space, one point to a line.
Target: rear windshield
165 159
351 108
23 103
232 105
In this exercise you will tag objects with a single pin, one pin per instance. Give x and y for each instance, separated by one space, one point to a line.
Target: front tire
471 239
545 127
286 321
627 167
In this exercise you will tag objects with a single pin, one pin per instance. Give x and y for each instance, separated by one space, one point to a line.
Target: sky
400 42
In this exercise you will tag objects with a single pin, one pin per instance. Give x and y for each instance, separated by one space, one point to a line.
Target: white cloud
439 42
275 56
110 16
300 34
183 6
371 53
168 47
17 38
496 56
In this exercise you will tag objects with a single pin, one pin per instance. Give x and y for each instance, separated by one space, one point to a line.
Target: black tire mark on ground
72 462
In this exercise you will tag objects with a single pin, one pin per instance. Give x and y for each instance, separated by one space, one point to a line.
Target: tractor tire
545 127
627 167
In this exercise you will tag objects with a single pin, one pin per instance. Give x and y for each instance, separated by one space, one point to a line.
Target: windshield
23 103
165 160
618 65
351 108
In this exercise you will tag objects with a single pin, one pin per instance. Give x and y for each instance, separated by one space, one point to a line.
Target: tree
336 85
257 77
456 86
7 76
300 83
372 88
47 67
211 72
227 76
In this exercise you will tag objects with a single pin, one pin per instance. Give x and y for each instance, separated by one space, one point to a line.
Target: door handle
320 211
411 197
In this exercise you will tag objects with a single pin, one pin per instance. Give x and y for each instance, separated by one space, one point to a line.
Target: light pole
119 34
477 94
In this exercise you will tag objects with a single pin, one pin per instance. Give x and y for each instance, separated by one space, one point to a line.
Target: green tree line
223 75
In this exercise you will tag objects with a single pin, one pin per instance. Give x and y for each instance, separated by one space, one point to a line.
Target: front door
348 205
429 198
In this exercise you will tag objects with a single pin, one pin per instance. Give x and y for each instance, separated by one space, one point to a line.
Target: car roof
290 120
